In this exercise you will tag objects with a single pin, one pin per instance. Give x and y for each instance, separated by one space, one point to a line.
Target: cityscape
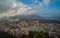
21 26
29 18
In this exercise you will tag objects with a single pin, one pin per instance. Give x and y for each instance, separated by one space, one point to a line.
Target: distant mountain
29 18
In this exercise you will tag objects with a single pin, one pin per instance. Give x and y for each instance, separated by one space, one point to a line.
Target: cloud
43 2
18 8
35 1
20 11
5 5
46 2
13 7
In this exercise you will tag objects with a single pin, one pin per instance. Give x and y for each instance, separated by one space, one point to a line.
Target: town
18 27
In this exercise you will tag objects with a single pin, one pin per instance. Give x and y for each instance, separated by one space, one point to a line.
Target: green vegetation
31 34
36 34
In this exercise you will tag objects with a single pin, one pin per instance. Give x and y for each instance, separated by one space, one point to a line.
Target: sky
49 9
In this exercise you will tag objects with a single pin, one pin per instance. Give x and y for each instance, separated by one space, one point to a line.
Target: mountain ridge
29 18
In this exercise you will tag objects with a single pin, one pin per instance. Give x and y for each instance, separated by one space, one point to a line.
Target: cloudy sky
45 8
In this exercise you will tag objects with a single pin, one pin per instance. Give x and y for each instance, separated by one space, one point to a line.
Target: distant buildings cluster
22 27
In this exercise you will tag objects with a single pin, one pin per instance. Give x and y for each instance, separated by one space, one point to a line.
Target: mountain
28 18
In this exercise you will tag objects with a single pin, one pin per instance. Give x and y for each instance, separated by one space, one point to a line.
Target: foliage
35 34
